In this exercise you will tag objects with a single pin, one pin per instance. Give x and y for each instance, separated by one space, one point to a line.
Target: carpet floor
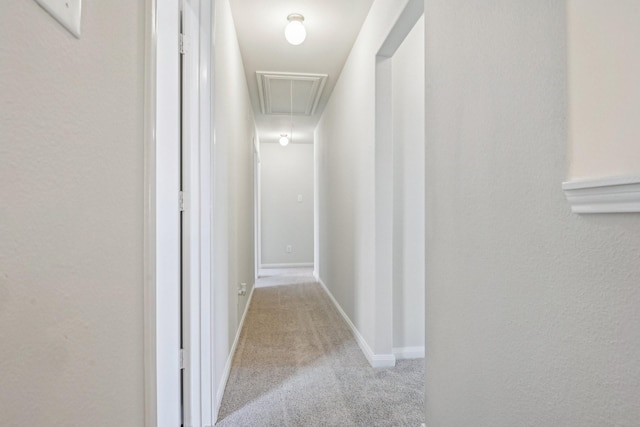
297 364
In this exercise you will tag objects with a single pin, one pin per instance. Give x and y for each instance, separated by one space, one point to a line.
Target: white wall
408 191
604 89
233 206
285 174
71 217
346 174
531 311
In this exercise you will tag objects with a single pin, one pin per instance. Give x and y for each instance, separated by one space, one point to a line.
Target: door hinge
183 44
182 358
181 201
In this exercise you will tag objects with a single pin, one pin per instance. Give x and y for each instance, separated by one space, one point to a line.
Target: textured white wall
285 173
604 89
531 312
346 176
408 192
71 217
233 205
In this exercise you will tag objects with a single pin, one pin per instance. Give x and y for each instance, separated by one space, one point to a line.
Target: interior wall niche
604 99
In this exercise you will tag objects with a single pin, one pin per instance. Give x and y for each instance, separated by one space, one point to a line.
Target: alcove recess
603 107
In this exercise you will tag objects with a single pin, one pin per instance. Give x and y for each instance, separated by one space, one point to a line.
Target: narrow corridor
297 364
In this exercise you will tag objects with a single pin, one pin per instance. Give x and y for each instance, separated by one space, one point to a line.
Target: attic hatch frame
265 79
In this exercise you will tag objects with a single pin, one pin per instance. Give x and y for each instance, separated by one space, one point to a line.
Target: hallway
297 363
515 131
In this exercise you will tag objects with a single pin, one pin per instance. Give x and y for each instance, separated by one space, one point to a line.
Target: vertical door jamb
256 200
161 222
205 76
384 180
197 165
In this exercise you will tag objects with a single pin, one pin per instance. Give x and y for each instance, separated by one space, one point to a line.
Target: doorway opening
400 184
285 220
179 337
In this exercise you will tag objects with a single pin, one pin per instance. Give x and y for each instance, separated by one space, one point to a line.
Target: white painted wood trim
408 352
206 302
275 285
287 265
161 255
375 360
191 232
604 195
227 367
150 365
256 204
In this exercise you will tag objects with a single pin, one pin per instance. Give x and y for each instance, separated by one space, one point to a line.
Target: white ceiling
332 27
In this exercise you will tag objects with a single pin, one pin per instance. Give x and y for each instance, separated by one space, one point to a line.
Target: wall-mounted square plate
67 12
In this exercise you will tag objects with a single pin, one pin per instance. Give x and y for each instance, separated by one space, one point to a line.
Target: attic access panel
285 93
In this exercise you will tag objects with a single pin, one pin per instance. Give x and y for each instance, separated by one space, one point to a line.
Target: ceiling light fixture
294 32
284 140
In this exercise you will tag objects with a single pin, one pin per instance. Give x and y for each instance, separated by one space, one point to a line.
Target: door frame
384 182
162 218
162 322
257 207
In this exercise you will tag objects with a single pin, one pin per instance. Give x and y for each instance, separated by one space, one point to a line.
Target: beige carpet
297 364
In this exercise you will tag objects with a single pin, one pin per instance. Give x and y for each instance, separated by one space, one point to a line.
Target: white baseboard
375 360
408 352
232 352
287 265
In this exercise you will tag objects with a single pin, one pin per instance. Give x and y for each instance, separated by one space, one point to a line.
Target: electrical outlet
242 289
289 249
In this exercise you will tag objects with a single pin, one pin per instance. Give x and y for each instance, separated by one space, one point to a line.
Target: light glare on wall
294 32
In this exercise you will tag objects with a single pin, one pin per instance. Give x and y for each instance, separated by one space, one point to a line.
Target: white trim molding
604 195
375 360
162 218
408 352
227 367
287 265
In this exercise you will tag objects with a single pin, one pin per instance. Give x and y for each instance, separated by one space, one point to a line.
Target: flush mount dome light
295 32
284 140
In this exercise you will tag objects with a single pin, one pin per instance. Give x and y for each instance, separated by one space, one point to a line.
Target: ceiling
310 69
